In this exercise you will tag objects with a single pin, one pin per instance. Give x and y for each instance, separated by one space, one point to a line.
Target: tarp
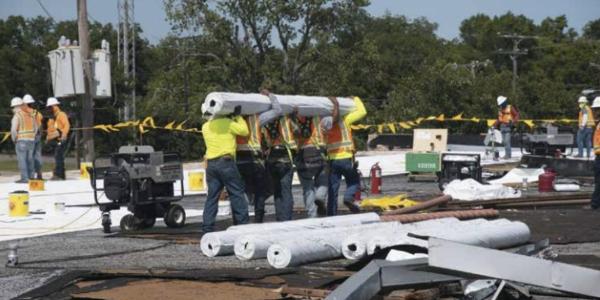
516 176
470 190
219 103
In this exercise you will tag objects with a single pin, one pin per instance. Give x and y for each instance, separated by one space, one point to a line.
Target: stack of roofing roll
292 243
220 103
222 242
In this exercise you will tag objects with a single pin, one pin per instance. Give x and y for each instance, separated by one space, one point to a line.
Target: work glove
236 111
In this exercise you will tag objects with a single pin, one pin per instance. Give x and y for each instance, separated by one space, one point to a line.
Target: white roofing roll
316 246
220 103
312 223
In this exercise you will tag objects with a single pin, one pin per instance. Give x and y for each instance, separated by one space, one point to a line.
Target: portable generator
144 181
459 166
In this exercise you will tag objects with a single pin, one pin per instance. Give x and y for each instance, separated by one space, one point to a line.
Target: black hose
91 256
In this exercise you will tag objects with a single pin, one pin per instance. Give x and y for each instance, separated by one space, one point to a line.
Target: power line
45 10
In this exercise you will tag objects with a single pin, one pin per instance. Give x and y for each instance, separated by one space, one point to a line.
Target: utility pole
87 111
126 52
514 54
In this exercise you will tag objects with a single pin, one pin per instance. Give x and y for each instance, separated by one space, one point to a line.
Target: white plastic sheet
516 175
219 103
470 190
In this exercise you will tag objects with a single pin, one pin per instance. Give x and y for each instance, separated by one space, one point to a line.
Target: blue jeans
24 150
281 179
59 158
505 129
254 174
310 166
37 155
596 194
339 168
584 139
223 172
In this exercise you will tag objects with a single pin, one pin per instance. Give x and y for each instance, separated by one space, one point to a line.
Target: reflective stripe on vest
286 134
505 115
590 120
253 141
339 139
317 136
26 128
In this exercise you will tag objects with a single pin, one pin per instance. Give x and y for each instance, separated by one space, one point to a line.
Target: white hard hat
596 103
501 99
27 99
52 101
16 101
582 99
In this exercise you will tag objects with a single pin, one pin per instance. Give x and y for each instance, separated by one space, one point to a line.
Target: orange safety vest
316 137
54 126
339 139
590 121
505 115
597 140
27 128
253 141
285 136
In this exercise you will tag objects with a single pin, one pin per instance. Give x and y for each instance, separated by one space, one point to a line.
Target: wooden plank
305 292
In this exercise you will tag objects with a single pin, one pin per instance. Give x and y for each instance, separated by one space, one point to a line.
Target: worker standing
279 136
586 127
37 151
22 132
251 161
340 152
595 204
508 116
310 163
221 170
58 132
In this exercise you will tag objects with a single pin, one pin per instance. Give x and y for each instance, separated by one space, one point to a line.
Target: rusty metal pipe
421 206
459 214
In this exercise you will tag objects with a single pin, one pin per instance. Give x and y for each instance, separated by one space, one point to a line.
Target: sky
448 14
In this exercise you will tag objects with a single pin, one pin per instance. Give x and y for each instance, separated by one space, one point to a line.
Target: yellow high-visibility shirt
220 136
359 112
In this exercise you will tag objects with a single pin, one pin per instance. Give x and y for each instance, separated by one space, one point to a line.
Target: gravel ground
46 257
42 258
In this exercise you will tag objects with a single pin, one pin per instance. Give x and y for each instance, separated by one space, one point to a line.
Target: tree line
399 66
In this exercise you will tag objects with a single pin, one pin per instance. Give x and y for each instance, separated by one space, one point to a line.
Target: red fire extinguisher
375 179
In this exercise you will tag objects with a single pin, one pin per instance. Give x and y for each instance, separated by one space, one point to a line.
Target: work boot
352 206
321 209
